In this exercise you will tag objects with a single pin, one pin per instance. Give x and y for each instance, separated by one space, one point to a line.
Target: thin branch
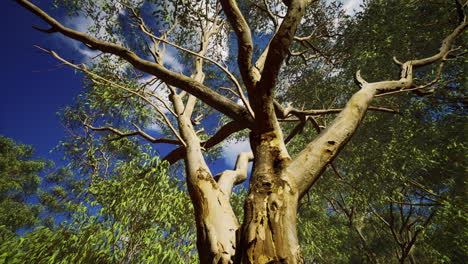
224 69
224 132
181 81
307 44
411 243
302 56
244 40
424 188
50 30
284 113
296 130
405 83
167 121
139 132
162 101
272 17
325 147
420 87
416 204
231 91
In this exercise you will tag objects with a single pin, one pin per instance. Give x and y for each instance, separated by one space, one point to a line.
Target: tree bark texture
269 230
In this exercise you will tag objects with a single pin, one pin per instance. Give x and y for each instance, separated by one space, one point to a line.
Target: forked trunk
268 234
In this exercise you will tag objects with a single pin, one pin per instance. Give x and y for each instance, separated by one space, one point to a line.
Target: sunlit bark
269 230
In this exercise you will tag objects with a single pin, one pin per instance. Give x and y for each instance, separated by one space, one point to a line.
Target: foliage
396 188
133 219
402 174
19 180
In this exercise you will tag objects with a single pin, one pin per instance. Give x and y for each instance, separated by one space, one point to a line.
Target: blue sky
33 90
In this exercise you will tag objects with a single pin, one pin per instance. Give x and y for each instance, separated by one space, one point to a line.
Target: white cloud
352 6
155 127
79 23
239 102
231 150
170 60
83 23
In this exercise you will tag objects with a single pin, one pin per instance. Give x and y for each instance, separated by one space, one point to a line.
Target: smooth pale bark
262 95
244 38
229 178
310 163
269 230
224 132
215 220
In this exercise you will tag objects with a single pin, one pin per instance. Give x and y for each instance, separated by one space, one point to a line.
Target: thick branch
297 112
166 120
406 80
262 95
181 81
225 131
244 40
216 223
312 161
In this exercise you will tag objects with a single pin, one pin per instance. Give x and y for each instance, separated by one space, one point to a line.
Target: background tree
134 216
391 197
19 180
33 191
278 181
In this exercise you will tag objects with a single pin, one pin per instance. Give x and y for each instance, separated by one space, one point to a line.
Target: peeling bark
269 230
269 233
215 221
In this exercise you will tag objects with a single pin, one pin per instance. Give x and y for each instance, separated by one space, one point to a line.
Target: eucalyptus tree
139 34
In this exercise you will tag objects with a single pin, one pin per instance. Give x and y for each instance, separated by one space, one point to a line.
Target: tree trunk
269 231
270 227
215 221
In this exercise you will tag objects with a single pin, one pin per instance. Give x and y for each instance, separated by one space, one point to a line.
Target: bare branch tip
359 79
50 30
396 61
44 50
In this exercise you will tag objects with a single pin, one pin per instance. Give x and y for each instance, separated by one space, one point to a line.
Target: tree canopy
294 78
